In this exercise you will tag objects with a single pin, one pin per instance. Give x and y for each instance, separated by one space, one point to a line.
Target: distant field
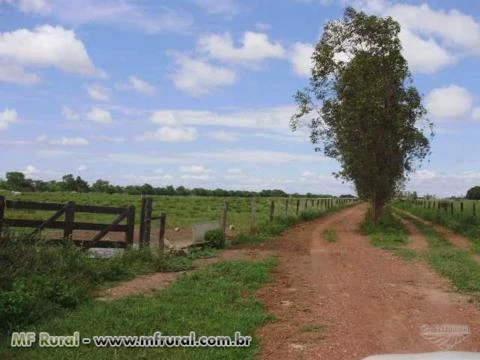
182 211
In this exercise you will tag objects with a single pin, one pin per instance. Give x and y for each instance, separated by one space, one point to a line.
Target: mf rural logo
446 337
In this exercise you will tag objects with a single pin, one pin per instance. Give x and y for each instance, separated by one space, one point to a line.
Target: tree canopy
361 107
473 193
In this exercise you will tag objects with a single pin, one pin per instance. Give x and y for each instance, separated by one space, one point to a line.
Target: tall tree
361 107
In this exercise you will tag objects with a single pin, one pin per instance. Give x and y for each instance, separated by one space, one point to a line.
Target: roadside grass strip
215 300
389 235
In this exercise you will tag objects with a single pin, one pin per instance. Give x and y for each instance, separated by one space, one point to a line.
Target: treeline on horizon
17 181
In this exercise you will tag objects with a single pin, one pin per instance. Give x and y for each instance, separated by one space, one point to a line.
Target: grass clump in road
388 234
330 235
215 300
455 264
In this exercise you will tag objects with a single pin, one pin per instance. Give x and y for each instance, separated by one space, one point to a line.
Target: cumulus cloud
222 7
449 102
169 134
100 116
301 58
98 92
198 77
195 169
7 117
254 49
42 7
70 141
45 46
30 170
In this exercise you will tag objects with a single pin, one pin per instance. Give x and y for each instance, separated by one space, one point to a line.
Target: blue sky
199 92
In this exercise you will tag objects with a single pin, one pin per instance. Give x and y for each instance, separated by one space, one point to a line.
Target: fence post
69 220
286 207
306 203
224 216
272 210
298 205
129 234
451 208
142 220
474 208
161 234
2 213
148 221
461 206
253 216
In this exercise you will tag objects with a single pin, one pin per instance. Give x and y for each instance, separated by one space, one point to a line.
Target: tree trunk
378 210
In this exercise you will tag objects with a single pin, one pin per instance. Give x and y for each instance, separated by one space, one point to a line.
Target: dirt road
347 300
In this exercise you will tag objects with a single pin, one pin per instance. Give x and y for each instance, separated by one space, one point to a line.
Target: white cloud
100 116
30 170
425 55
69 113
449 102
41 7
7 117
263 157
112 139
15 73
223 136
224 7
197 77
98 92
195 169
69 141
277 117
476 114
82 168
141 86
443 183
45 46
301 58
125 13
255 48
169 134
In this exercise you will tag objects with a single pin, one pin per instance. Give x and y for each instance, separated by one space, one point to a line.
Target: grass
463 223
215 300
330 235
275 228
455 264
388 234
182 211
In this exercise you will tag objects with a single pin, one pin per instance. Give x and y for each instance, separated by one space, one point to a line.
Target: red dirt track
348 300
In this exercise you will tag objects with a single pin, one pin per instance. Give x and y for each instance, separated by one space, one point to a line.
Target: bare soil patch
348 299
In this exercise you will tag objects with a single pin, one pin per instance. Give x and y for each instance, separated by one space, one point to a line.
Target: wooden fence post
474 208
272 210
253 216
161 234
69 220
298 205
2 213
142 220
461 206
306 203
286 207
130 233
225 217
451 208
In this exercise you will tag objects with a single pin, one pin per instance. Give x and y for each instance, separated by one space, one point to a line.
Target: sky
200 92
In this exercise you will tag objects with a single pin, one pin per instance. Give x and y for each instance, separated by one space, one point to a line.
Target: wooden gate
68 225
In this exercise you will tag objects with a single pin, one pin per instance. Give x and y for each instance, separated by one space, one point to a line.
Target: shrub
215 238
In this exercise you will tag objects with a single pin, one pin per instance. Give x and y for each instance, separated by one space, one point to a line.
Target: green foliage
38 280
364 111
473 193
455 264
215 238
464 223
215 300
388 234
330 235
